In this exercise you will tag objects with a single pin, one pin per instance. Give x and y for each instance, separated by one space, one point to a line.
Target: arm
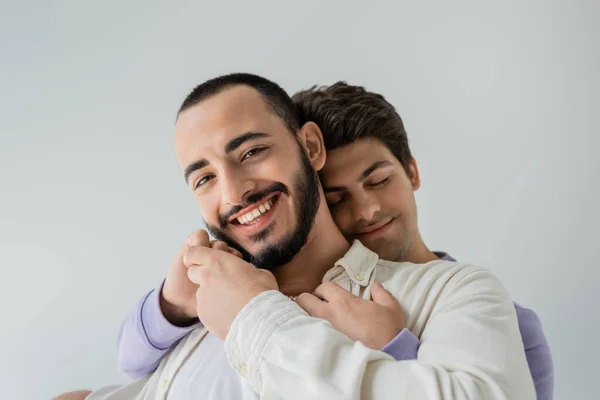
537 350
164 315
146 336
403 347
539 357
471 349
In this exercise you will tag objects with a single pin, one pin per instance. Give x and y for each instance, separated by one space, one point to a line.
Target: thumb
382 296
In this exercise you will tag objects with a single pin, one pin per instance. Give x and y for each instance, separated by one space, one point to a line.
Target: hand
374 323
226 284
178 295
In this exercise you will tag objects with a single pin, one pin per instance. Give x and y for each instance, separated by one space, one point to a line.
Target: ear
311 138
413 175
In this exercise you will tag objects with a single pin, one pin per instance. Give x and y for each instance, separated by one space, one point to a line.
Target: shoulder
436 277
530 326
537 351
438 269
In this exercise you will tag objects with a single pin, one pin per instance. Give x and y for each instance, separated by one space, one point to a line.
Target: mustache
252 199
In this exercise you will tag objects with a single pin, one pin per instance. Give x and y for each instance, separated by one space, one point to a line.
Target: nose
235 186
365 207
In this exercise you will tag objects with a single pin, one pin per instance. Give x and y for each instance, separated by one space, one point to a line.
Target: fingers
312 305
330 291
198 274
199 238
220 245
382 296
200 255
235 253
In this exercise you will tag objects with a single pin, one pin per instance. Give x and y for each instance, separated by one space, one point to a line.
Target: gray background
500 99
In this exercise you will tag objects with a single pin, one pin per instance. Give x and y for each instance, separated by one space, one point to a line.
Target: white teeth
252 215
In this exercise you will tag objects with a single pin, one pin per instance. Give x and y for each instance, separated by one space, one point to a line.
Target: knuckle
186 257
303 298
200 236
328 285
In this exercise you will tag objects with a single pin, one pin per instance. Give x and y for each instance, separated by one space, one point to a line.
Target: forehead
210 124
348 162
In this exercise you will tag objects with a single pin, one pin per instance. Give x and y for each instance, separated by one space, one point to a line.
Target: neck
418 252
325 245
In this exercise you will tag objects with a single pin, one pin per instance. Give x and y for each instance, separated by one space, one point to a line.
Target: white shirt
471 347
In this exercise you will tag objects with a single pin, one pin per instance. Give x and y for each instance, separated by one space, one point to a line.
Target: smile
375 230
255 215
258 216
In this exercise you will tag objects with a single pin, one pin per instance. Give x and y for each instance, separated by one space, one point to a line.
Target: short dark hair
277 99
346 113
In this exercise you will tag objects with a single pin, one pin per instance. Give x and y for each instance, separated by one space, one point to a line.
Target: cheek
275 169
398 199
209 209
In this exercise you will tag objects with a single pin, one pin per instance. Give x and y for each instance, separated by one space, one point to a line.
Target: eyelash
373 185
338 202
380 183
253 152
249 154
199 183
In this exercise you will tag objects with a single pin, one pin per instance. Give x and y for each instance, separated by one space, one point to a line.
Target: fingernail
194 240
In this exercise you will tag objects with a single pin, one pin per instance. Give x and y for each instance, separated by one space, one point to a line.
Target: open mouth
256 216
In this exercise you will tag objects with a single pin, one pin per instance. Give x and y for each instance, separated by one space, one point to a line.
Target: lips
375 226
257 217
254 215
254 210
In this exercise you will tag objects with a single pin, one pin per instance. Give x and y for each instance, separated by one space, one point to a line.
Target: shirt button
244 370
359 277
164 383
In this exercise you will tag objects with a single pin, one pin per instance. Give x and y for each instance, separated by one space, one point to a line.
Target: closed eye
380 183
337 202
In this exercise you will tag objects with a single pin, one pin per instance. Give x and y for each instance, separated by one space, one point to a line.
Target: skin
371 198
223 178
203 132
360 200
76 395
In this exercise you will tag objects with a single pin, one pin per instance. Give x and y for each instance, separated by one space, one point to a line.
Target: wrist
174 314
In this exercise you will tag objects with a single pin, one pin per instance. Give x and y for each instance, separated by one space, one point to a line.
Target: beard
307 201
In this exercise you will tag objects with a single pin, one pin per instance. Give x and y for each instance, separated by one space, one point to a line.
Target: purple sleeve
403 347
146 336
537 351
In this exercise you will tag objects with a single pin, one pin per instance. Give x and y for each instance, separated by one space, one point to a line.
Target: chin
387 249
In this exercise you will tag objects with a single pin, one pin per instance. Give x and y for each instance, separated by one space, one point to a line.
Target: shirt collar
444 256
358 262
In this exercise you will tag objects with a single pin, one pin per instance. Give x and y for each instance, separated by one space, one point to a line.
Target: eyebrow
194 167
236 142
231 146
362 177
373 167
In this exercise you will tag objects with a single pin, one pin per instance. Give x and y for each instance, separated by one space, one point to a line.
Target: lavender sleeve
146 336
403 347
537 351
